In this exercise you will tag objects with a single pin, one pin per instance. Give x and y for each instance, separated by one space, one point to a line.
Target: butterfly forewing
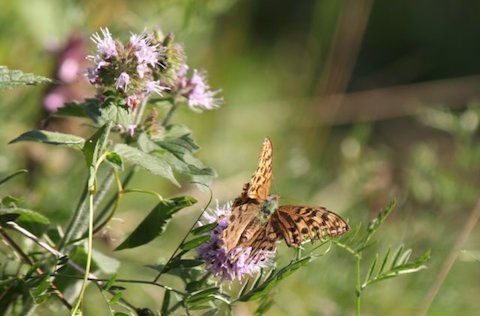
256 190
296 223
239 219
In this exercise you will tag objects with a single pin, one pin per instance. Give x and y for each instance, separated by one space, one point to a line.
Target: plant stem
141 109
89 254
170 112
78 215
358 287
184 238
450 260
29 261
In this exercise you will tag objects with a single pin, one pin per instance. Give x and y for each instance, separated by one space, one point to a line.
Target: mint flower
122 81
106 47
155 87
200 95
225 265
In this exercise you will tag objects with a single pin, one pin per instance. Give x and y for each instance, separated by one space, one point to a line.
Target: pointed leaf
194 243
96 144
154 224
204 229
89 108
32 221
165 303
385 259
396 256
152 163
372 267
10 79
115 160
51 138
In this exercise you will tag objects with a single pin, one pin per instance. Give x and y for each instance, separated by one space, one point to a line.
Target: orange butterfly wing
256 190
296 223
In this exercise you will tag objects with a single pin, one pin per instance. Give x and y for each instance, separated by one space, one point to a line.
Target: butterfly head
270 205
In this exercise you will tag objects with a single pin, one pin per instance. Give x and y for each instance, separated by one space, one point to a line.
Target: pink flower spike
106 46
141 70
200 95
155 87
131 129
122 81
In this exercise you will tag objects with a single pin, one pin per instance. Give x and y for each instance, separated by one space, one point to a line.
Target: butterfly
257 221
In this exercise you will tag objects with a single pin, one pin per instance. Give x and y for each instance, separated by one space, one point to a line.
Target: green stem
75 222
184 238
89 255
141 109
170 113
358 288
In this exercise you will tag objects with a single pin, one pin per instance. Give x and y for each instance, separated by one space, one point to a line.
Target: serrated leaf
10 79
152 163
32 221
117 114
51 138
194 243
13 175
204 229
89 108
115 160
154 224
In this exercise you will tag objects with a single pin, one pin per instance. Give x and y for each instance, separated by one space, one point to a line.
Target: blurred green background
364 102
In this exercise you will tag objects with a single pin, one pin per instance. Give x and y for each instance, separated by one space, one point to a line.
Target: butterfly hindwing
256 190
295 223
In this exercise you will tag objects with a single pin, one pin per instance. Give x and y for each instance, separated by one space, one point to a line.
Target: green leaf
264 288
10 201
115 160
39 289
110 282
154 224
95 145
165 302
10 79
202 296
184 264
194 243
32 221
115 298
106 263
117 114
152 163
372 267
89 108
204 229
265 305
13 175
51 138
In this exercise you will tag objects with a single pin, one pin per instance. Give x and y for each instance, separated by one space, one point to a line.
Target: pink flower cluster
229 266
126 70
196 90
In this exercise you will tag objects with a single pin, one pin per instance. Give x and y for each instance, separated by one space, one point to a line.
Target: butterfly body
257 220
